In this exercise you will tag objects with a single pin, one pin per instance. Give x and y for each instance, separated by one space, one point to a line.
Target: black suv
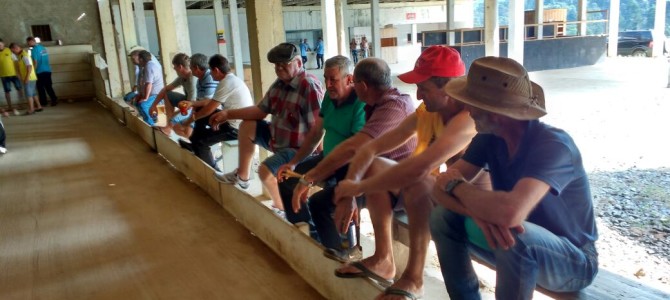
636 43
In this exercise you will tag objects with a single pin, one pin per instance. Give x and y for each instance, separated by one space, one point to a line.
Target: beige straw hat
499 85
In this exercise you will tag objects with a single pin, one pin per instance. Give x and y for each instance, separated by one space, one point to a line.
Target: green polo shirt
341 121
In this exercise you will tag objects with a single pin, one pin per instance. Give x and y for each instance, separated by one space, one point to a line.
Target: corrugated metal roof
241 3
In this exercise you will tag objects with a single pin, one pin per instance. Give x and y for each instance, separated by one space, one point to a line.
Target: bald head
374 72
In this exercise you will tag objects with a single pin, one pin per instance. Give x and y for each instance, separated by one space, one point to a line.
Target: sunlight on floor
46 154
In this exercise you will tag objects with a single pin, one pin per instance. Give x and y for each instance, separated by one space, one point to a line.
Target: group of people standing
514 194
29 71
318 48
364 49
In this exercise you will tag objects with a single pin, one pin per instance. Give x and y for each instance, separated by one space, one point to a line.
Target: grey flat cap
282 53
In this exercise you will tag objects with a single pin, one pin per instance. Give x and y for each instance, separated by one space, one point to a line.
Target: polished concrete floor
88 211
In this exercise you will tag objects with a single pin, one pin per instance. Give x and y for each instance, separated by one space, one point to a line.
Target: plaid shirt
386 114
294 108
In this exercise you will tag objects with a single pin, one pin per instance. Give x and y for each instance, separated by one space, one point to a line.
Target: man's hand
496 236
217 119
282 169
299 196
346 189
345 211
184 103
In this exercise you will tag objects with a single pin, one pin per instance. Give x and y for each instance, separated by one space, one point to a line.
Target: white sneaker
16 112
3 150
231 178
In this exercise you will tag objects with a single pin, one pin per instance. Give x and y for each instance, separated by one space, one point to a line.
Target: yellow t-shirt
6 63
23 60
429 126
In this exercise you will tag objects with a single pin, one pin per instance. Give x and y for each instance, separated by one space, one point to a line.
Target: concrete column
129 36
659 27
581 16
329 27
491 28
110 48
414 33
173 37
220 27
120 47
539 18
613 28
451 7
141 22
516 28
265 21
376 33
238 60
342 41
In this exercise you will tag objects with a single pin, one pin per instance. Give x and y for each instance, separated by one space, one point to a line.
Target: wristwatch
451 185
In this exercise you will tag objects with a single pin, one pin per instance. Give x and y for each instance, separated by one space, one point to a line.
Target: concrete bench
607 285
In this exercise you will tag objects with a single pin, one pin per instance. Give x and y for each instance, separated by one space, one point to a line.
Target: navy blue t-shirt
550 155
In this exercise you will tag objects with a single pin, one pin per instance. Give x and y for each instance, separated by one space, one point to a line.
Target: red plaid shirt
294 108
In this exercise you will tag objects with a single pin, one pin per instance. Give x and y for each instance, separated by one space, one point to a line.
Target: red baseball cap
441 61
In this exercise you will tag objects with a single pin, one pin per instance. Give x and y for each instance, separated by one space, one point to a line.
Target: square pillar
141 22
129 36
659 27
265 21
109 44
220 28
516 28
238 60
173 37
374 24
329 28
120 47
581 16
539 19
491 28
613 28
340 30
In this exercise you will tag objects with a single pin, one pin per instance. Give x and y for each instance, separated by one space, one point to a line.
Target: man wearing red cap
444 129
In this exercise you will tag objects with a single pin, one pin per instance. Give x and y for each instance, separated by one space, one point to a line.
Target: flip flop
364 273
400 292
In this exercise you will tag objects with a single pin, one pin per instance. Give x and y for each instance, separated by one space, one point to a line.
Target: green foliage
634 14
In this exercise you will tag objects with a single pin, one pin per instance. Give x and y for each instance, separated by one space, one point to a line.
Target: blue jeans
129 97
144 107
538 258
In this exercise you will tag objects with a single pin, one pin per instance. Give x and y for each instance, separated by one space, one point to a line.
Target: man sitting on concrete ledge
181 65
538 221
385 109
231 93
342 115
151 82
294 101
444 129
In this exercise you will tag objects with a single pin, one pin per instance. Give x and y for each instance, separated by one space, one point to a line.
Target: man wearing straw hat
538 221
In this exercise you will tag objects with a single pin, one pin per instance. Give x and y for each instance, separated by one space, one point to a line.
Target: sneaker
231 178
345 255
280 213
3 150
16 112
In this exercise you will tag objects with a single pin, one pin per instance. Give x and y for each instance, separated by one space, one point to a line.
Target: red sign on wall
410 16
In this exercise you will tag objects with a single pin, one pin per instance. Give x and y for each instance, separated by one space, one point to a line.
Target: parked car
638 43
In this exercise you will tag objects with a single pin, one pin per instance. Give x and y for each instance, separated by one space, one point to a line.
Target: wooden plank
69 58
70 67
118 110
302 253
143 130
74 76
194 169
56 50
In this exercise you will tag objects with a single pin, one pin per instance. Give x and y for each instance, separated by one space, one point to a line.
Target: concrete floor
87 211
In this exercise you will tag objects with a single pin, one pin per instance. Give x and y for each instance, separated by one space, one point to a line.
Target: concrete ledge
142 129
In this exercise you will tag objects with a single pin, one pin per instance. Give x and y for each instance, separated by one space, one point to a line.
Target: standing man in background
319 53
26 73
304 47
40 58
8 75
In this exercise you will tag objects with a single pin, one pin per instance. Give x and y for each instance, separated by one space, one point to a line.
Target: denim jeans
129 97
286 188
44 87
538 258
144 107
